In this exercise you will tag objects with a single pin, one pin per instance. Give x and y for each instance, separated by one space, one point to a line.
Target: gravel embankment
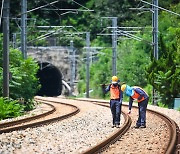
74 135
153 139
39 109
90 126
173 114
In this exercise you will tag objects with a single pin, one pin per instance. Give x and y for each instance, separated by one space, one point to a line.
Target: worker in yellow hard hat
137 93
115 99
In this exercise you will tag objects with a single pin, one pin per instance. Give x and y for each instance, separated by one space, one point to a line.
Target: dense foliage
10 108
23 83
135 62
164 74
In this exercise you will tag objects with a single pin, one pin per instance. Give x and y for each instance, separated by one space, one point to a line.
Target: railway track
49 116
173 140
113 138
105 146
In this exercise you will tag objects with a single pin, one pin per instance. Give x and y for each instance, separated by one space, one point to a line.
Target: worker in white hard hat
115 100
137 93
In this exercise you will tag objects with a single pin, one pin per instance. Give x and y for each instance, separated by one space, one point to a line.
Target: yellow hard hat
123 87
114 79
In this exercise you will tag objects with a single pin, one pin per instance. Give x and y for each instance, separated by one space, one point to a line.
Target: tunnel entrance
50 79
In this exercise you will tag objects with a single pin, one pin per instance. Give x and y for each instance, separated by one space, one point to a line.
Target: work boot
117 126
113 126
137 126
142 126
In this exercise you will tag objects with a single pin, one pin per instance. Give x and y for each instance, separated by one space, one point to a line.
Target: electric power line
160 8
53 10
42 6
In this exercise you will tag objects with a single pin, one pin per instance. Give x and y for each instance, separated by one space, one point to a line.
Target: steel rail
113 138
16 122
174 140
174 131
173 144
14 127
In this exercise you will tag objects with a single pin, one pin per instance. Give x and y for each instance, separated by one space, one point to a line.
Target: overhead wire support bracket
141 8
77 10
54 26
41 6
132 27
52 4
134 37
50 33
128 34
81 5
161 8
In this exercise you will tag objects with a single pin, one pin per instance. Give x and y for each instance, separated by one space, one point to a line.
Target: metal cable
80 4
51 5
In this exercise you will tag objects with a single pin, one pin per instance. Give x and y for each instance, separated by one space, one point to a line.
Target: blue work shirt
141 92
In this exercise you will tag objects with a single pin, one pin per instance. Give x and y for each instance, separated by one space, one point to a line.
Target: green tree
164 74
133 58
101 72
23 81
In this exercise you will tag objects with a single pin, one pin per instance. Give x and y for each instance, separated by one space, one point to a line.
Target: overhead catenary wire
80 5
51 4
78 10
70 10
45 35
42 6
53 10
54 32
126 33
161 8
130 36
56 7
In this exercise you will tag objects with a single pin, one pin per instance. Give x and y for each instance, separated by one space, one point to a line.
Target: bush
23 82
10 108
29 105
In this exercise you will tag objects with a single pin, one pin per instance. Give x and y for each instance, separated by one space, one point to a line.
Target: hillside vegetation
136 64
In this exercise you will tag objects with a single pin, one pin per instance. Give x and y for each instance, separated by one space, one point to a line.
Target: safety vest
114 92
136 95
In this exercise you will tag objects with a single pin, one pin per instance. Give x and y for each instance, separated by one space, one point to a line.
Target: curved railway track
173 144
105 145
49 116
113 138
174 132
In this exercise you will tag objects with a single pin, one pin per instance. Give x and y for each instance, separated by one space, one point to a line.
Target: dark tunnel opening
50 79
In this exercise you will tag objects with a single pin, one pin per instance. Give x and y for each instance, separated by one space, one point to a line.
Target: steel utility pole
87 63
6 48
155 38
72 60
114 45
24 28
155 28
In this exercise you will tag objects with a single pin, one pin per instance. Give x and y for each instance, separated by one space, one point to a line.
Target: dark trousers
115 106
142 112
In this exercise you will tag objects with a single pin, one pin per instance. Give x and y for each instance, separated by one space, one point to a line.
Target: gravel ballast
74 135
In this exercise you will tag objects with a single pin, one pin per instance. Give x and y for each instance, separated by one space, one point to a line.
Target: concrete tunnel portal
50 79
